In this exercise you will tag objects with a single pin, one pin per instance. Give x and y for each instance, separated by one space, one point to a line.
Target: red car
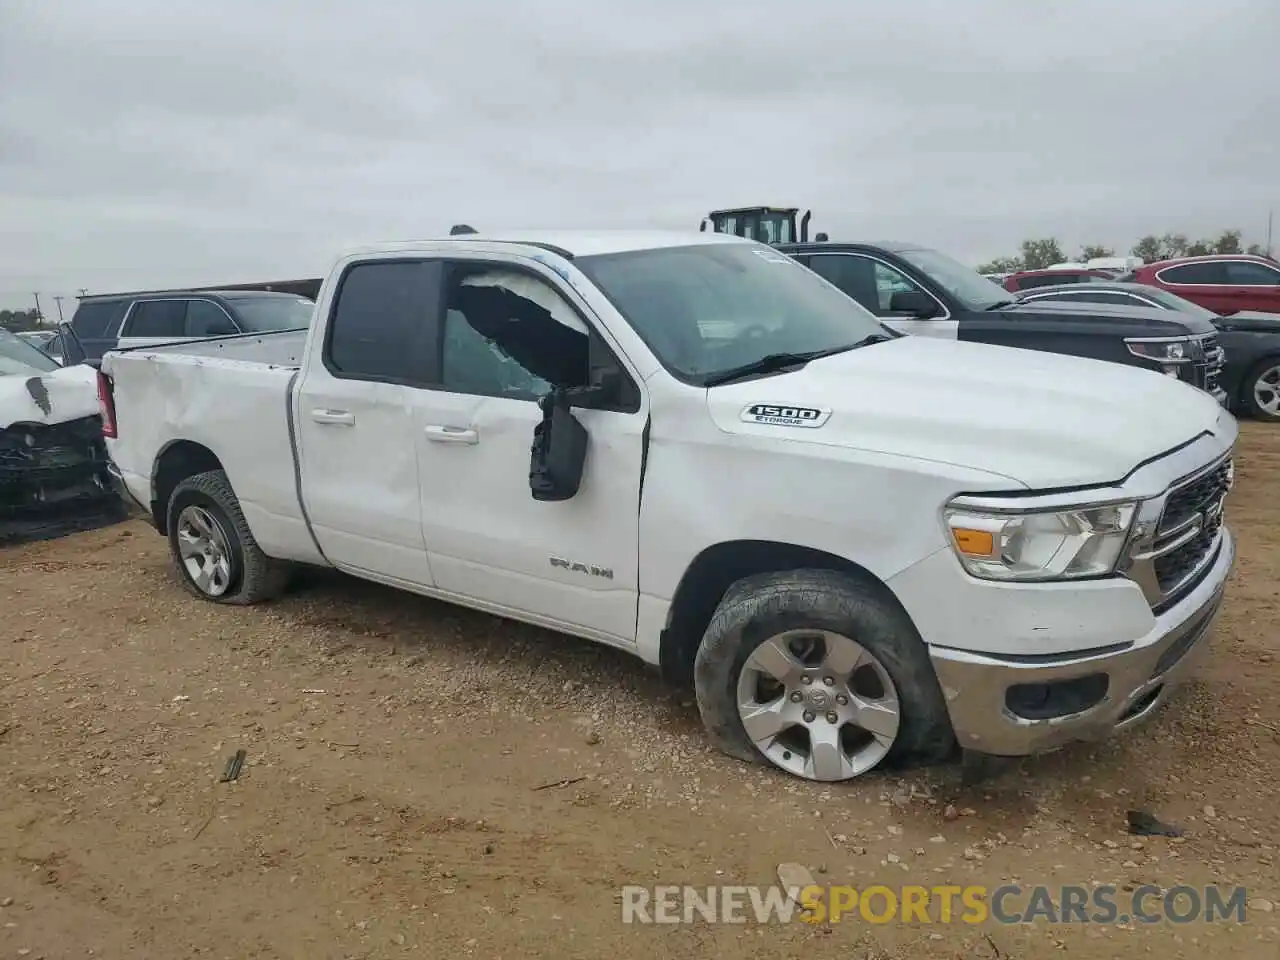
1052 276
1223 283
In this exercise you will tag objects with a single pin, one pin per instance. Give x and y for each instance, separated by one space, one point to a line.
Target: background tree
19 320
1044 252
1041 253
1151 248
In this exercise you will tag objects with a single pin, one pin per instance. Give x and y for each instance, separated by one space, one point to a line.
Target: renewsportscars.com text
1006 904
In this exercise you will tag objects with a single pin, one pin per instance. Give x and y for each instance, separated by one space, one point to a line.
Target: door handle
443 434
340 417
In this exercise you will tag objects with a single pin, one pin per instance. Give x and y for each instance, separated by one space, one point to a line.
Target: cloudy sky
171 142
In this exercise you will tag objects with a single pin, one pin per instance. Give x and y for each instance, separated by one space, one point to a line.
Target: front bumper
1139 677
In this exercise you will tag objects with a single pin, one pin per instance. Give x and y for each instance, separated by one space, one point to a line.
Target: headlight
1043 545
1162 351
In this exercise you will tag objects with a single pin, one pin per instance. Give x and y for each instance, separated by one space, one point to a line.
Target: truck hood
1040 419
1251 321
1114 318
56 397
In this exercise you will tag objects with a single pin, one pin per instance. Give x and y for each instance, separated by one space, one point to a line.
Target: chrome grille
1170 558
1208 363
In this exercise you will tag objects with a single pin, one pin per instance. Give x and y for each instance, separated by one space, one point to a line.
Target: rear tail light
107 406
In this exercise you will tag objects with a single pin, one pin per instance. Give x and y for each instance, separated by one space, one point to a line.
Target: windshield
710 308
971 288
266 314
19 357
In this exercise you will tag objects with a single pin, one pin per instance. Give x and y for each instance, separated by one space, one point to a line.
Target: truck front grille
1169 561
45 464
1208 361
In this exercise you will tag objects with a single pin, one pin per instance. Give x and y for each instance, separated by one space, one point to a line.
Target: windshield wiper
777 362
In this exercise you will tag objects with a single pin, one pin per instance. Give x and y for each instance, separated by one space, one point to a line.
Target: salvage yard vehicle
53 462
1250 341
107 321
857 547
1222 282
944 298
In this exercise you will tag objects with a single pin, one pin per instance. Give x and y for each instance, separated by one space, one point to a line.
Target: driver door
571 563
873 283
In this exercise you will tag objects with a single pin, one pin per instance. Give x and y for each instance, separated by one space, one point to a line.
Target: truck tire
213 549
794 664
1260 389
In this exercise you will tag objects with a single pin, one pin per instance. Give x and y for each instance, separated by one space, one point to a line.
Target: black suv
916 290
102 322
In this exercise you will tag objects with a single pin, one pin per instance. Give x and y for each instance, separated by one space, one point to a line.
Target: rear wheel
820 675
1261 393
212 547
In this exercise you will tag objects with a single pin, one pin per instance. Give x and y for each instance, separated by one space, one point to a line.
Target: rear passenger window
377 326
95 319
157 318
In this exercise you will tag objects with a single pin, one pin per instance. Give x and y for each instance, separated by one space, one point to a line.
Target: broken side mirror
605 390
559 450
916 303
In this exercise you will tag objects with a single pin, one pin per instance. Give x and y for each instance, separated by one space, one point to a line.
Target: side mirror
916 303
559 451
605 390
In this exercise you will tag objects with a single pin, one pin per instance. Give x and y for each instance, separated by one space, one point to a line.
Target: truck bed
230 396
282 349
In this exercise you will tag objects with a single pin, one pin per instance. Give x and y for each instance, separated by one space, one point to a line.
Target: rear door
1253 286
154 321
355 421
873 282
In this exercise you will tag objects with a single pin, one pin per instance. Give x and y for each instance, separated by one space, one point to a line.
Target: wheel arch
715 570
176 461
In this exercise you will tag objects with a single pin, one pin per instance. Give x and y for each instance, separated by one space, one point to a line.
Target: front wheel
1261 394
819 674
212 547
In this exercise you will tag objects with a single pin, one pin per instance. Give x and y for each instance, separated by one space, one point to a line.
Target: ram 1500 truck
856 546
926 293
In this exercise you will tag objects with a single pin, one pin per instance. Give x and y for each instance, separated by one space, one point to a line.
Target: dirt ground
393 801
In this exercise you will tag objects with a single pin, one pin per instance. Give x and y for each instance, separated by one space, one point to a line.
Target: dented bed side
213 396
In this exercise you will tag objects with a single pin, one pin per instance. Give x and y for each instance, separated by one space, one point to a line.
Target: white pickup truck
856 546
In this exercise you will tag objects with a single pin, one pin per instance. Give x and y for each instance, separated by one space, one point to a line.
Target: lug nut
796 698
842 699
808 717
832 718
806 679
828 681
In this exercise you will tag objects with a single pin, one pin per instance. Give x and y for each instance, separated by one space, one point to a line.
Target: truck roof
574 243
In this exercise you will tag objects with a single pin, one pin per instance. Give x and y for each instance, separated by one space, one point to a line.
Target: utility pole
1270 215
39 312
58 300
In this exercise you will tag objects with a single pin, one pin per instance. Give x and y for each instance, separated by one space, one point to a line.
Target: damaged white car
53 463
